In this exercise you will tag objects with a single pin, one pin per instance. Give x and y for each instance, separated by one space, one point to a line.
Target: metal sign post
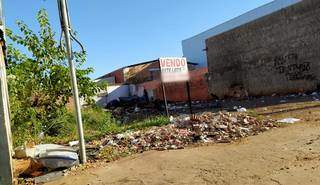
6 169
189 97
66 30
164 94
165 99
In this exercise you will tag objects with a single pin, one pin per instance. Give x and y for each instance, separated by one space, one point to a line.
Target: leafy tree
39 81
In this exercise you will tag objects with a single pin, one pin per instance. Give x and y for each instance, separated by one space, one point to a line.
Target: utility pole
65 24
6 171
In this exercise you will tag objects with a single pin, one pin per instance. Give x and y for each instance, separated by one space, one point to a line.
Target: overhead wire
73 37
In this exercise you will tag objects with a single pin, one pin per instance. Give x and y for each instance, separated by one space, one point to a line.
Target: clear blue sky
117 33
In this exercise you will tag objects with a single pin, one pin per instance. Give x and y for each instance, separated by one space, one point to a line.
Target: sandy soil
288 155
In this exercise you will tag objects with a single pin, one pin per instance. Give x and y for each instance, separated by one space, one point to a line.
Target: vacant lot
286 155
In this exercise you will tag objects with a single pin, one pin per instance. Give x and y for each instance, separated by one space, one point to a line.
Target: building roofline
233 19
151 61
141 63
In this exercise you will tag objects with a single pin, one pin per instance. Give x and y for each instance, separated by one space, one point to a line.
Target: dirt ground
286 155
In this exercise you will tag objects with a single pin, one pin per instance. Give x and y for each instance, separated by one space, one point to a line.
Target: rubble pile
208 127
128 114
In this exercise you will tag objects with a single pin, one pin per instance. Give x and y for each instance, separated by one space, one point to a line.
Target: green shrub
149 122
39 89
39 81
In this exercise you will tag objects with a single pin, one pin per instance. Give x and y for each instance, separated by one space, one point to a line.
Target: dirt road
289 155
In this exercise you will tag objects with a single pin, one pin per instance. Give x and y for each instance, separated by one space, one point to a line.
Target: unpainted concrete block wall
279 53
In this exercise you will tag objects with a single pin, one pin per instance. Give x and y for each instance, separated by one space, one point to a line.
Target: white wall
113 93
193 48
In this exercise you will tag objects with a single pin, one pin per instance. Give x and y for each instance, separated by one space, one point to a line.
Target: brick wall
118 75
178 92
279 53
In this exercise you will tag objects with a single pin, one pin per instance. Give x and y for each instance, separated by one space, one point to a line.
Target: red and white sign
174 69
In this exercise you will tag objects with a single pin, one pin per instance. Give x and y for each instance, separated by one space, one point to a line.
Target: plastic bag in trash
289 120
58 159
56 156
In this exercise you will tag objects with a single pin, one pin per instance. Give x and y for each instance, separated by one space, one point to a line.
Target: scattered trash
73 143
55 159
55 156
43 148
171 119
35 158
136 109
220 127
127 114
242 109
187 118
41 135
289 120
283 101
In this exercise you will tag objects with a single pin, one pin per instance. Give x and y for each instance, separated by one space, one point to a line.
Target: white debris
73 143
186 118
41 135
171 119
111 142
246 121
51 147
219 127
136 109
234 120
58 159
242 109
120 136
289 120
244 129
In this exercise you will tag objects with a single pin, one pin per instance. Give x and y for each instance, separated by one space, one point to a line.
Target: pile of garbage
223 127
128 114
220 127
